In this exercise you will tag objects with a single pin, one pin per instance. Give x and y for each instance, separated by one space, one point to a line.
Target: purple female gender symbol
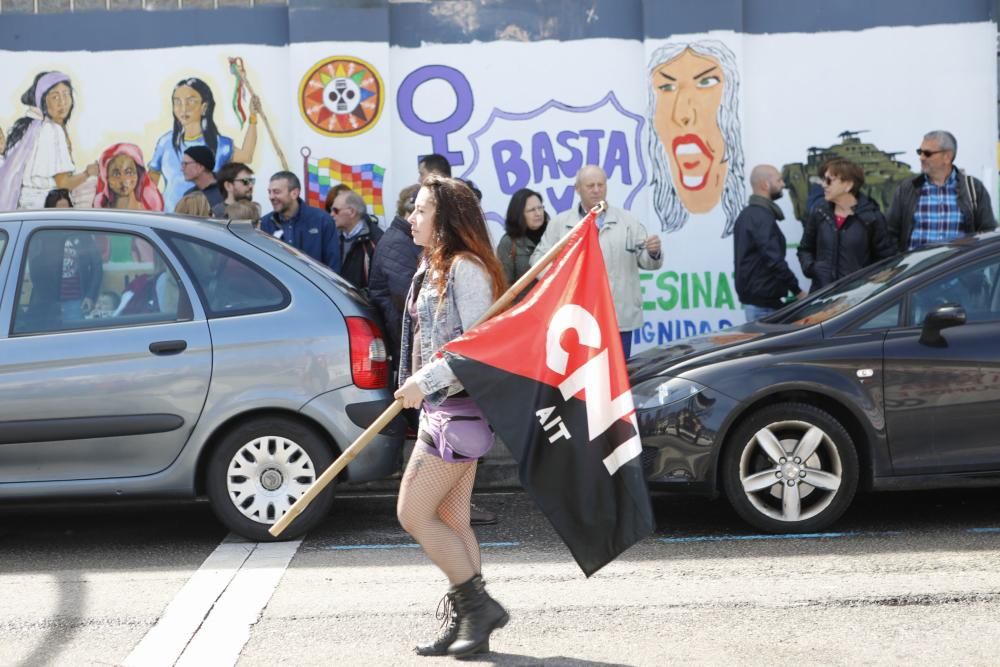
438 131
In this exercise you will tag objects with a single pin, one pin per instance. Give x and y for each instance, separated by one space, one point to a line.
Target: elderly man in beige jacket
624 243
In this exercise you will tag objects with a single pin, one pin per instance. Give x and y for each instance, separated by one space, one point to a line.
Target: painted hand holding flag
244 98
550 376
241 96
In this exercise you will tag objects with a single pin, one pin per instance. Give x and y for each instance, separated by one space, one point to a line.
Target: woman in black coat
847 232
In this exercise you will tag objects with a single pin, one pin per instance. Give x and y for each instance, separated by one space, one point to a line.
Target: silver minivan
145 355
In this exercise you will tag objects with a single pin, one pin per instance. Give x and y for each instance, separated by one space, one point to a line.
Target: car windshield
860 287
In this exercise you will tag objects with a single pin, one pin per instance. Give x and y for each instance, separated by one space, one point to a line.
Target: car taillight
369 362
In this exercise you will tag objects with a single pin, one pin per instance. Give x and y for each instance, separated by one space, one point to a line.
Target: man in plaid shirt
942 203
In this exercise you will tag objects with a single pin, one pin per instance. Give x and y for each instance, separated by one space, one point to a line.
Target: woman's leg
428 480
454 511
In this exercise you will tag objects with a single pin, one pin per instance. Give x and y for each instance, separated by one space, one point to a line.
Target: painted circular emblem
341 96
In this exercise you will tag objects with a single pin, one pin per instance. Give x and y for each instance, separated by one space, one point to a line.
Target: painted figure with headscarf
123 181
38 155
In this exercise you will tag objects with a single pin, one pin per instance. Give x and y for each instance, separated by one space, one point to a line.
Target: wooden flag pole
397 405
260 112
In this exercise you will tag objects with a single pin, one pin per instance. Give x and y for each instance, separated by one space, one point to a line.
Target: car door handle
168 346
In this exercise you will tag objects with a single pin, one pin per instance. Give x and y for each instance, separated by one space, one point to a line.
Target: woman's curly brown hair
459 230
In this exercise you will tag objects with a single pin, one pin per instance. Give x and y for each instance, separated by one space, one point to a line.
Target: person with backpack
940 204
844 233
359 234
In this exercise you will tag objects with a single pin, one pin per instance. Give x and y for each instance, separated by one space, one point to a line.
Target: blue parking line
411 545
983 530
788 536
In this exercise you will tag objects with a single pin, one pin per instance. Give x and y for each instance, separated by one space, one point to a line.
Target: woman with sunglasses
844 233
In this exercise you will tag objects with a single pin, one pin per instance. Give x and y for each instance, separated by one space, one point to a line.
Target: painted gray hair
666 203
946 140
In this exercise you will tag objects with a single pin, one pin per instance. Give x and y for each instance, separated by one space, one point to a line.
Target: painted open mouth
694 160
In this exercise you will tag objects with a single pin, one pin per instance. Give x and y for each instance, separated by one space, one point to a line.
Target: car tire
260 468
776 495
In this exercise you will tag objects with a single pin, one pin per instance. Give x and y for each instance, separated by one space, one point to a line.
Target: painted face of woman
59 102
188 105
688 92
122 175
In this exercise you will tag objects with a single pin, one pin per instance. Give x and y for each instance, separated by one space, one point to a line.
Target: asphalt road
903 579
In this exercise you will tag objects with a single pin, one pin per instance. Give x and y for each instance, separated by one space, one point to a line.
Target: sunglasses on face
922 153
335 210
829 180
247 181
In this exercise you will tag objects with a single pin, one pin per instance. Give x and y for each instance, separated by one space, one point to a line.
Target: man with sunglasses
235 181
942 203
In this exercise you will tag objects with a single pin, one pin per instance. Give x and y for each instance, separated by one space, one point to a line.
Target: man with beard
763 278
235 181
304 227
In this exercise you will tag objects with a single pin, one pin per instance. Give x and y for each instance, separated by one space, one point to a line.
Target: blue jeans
626 343
756 312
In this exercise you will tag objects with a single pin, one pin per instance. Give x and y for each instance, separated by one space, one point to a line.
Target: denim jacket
467 295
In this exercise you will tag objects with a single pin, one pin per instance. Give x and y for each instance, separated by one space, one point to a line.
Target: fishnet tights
433 508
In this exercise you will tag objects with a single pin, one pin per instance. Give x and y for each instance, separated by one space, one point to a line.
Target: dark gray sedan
887 379
147 355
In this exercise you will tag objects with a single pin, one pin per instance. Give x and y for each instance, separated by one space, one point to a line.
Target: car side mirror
942 317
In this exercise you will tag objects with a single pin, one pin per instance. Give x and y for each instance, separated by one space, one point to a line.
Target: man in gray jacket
942 203
624 243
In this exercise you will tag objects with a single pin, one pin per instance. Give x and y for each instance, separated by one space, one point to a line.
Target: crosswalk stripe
209 619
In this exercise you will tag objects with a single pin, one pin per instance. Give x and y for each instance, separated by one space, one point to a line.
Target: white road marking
209 620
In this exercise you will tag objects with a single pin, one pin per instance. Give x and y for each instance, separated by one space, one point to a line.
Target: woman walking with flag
458 279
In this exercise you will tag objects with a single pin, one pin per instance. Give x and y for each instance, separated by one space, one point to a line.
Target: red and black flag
550 376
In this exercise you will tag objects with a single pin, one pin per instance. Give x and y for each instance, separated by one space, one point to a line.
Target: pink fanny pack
457 429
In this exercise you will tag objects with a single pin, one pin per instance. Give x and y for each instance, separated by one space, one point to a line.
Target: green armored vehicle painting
883 172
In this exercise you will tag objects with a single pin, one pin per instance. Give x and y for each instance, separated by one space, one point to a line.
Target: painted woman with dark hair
38 155
194 125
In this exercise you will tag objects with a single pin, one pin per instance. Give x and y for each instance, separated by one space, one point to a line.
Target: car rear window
228 284
297 257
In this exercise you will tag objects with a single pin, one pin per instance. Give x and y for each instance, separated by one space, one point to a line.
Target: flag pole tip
601 207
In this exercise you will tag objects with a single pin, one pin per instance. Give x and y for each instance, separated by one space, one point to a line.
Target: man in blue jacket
306 228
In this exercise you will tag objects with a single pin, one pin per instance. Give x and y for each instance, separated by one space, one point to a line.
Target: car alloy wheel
791 467
259 469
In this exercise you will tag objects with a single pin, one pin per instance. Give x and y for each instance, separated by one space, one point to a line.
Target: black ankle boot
448 615
478 616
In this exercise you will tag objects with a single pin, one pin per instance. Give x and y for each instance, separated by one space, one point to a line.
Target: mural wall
516 95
